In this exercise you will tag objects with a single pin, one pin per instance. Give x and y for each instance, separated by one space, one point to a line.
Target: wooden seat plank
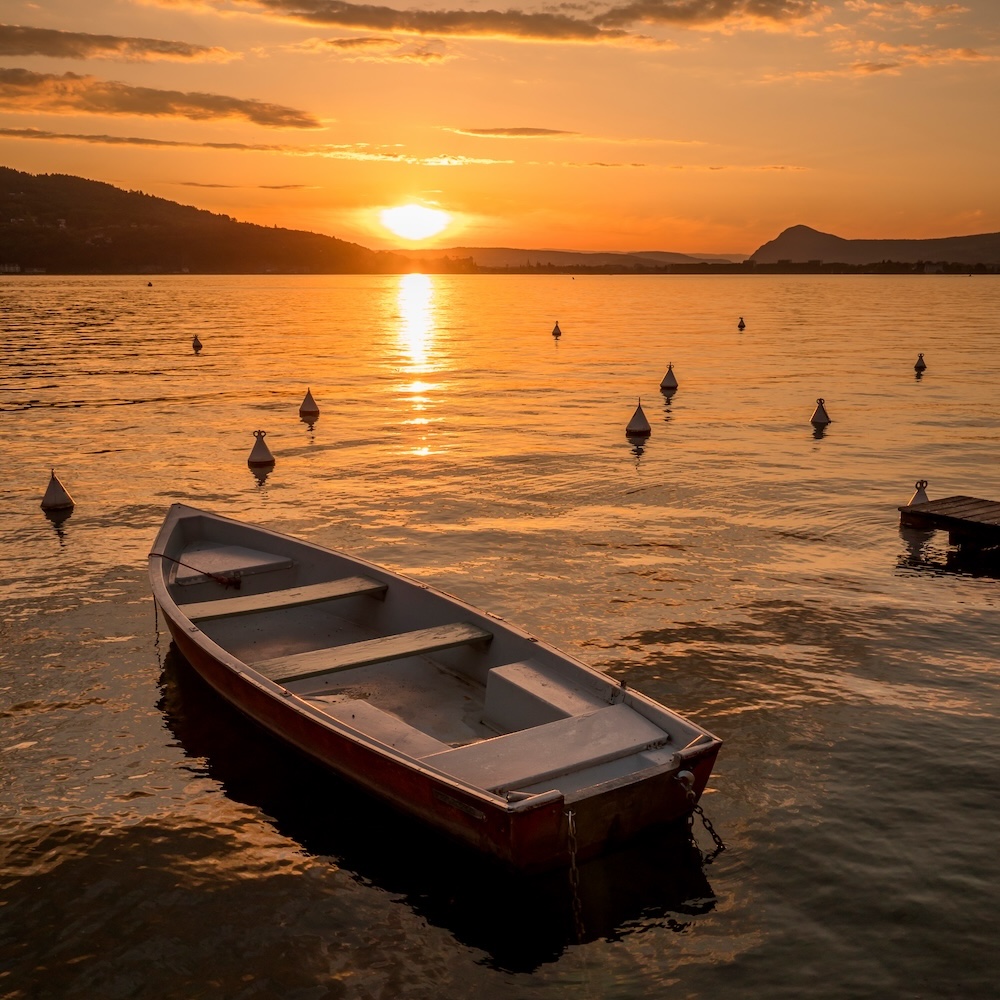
272 600
532 755
380 725
316 662
203 561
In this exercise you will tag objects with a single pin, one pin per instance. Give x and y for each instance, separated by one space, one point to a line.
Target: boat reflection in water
658 881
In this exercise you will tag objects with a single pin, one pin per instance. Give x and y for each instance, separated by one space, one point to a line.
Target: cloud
72 93
925 55
20 41
358 151
462 23
614 25
378 49
904 10
514 133
715 13
252 187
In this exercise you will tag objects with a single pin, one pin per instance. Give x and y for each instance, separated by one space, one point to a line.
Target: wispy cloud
71 93
251 187
518 24
378 49
561 24
871 58
16 40
725 14
514 133
357 151
530 132
691 167
905 11
922 55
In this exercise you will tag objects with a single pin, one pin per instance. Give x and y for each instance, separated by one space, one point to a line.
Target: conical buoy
309 407
920 496
921 365
669 381
638 426
741 325
260 455
196 344
556 332
820 417
56 497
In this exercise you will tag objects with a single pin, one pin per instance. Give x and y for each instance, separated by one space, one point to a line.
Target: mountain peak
801 244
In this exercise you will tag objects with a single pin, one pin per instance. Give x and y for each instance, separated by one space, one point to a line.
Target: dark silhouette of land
62 224
56 223
802 244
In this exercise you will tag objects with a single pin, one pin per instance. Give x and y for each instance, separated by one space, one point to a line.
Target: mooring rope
228 582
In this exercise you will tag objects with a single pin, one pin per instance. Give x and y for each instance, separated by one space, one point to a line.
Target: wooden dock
969 521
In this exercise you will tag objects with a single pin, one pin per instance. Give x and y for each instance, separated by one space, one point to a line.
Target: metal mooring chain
686 778
719 845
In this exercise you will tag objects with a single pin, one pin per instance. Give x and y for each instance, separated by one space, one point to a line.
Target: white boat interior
421 673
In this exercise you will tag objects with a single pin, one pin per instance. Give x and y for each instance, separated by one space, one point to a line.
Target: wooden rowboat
448 713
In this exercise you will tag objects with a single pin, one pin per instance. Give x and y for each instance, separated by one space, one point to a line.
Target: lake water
737 566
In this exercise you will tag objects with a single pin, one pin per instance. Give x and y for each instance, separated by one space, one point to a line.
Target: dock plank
968 519
316 662
292 597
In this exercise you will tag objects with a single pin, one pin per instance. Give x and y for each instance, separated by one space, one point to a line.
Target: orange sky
685 125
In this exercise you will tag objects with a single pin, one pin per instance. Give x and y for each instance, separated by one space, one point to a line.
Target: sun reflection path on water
416 335
416 309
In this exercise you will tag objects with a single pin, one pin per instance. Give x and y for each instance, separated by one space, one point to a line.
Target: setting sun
414 222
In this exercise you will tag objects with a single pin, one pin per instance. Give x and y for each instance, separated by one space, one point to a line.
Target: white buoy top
56 497
921 364
309 407
669 381
556 332
820 417
638 426
260 455
920 496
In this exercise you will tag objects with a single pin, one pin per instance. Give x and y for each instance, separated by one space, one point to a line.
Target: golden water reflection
416 335
416 309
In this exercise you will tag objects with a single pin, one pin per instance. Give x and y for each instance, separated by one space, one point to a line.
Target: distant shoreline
885 267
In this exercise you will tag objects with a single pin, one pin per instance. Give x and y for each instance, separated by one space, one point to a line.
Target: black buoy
56 496
921 365
820 417
741 325
638 426
556 332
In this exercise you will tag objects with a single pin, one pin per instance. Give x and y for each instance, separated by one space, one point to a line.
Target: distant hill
509 257
68 225
800 244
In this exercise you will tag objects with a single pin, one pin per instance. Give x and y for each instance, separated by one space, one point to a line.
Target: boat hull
528 832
